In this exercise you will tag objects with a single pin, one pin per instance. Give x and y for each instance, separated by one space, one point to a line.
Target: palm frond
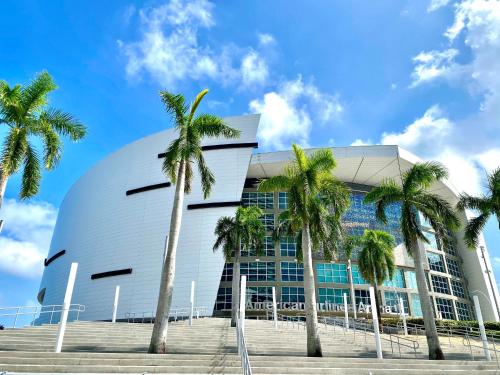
388 192
175 104
34 95
196 103
213 126
52 146
322 160
14 149
276 183
422 175
473 230
32 175
172 159
63 123
467 201
207 177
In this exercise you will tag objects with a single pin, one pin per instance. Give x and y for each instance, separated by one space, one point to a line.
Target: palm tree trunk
435 351
376 292
313 341
3 185
158 342
235 292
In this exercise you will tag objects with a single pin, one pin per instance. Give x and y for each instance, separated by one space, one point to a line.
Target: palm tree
244 231
376 260
181 154
487 205
25 111
414 196
316 202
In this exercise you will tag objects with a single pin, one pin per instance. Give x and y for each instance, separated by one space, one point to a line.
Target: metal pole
275 309
375 323
243 300
191 304
115 304
353 296
488 272
481 327
66 305
346 312
403 315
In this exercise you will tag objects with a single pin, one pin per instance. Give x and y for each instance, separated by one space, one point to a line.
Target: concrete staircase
208 347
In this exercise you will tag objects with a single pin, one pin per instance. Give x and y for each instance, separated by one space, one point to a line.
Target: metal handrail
467 339
242 348
175 314
36 311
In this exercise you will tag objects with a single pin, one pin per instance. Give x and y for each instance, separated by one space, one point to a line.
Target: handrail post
15 319
403 315
481 327
346 312
65 307
191 304
275 309
243 300
375 323
51 315
115 303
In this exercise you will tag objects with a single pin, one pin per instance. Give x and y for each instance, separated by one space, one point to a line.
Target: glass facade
292 294
288 248
332 273
332 295
258 271
292 271
278 266
398 279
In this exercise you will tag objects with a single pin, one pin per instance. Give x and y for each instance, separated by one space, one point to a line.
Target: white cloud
169 49
361 142
433 64
254 69
265 39
25 239
436 4
288 113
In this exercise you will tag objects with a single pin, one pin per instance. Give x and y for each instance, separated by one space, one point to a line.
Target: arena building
114 220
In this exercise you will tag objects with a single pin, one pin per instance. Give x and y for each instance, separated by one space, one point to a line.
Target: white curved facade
103 229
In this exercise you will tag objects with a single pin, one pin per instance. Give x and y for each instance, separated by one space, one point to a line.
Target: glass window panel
392 299
431 237
436 262
259 271
332 295
268 249
292 271
440 284
288 248
261 200
445 308
398 280
412 279
283 200
356 276
223 301
463 311
268 221
332 273
453 267
227 272
458 289
362 296
259 294
416 307
292 294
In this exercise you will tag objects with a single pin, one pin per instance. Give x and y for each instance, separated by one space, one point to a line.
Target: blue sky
425 75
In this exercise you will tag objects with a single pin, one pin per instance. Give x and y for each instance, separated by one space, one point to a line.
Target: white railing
242 349
37 311
175 314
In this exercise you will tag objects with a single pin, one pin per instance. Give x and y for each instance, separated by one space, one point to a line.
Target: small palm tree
414 196
244 231
181 154
376 260
25 111
487 205
315 204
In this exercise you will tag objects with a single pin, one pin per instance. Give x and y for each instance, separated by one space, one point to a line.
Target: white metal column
375 323
191 304
243 300
484 339
275 309
66 306
115 304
